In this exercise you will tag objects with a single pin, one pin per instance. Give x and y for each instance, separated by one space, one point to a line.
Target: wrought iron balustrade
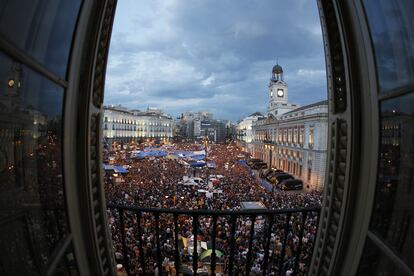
263 225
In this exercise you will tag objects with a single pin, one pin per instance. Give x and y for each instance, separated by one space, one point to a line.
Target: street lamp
205 146
270 147
270 157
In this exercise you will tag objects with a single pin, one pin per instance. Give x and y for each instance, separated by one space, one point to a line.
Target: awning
211 165
120 169
208 253
198 164
108 167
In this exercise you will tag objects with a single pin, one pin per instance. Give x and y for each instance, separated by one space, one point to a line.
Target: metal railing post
140 248
213 255
267 246
282 255
195 254
299 249
249 253
232 243
124 248
176 251
157 238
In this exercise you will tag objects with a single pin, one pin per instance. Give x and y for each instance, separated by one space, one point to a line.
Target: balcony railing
266 230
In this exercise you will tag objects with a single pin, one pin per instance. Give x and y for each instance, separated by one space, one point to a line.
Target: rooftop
324 102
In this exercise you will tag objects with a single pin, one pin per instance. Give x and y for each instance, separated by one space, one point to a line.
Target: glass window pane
67 265
374 262
392 30
43 29
393 209
32 208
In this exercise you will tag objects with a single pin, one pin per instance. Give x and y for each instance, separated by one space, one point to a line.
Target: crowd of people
153 182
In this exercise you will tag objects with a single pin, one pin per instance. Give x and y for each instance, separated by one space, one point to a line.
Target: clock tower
278 94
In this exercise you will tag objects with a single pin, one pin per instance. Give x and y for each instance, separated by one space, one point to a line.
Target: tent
197 156
182 162
140 155
198 164
108 167
150 152
200 152
215 181
242 162
171 156
211 165
120 169
208 253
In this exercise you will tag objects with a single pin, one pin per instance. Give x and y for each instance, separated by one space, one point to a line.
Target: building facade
294 141
245 132
122 124
196 126
214 130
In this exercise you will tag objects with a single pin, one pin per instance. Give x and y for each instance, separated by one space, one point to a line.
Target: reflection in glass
392 31
373 262
67 265
32 210
393 214
42 28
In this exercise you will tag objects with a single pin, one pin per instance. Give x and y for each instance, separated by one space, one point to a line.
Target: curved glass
34 230
392 32
393 213
43 29
33 221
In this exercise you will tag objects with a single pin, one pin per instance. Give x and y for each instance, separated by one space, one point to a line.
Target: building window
309 174
295 136
311 137
301 132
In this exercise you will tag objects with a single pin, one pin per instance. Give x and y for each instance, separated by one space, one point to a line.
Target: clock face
280 92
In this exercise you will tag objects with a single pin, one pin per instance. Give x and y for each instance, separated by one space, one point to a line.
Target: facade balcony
145 239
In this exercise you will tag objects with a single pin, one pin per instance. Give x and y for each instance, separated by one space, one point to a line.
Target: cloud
208 81
213 55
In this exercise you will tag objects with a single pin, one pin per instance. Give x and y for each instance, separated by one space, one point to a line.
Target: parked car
253 161
291 184
259 165
270 173
280 177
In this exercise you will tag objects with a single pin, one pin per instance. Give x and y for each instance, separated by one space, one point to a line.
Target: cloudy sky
214 55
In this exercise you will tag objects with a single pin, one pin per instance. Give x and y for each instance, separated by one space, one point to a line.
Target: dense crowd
153 182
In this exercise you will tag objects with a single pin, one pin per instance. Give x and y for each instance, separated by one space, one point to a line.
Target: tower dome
277 69
277 73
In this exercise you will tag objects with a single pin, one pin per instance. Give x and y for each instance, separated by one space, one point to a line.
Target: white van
192 181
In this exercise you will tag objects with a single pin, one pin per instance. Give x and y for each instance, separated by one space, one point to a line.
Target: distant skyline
214 55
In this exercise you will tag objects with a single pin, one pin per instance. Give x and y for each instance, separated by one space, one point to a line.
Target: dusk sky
213 55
